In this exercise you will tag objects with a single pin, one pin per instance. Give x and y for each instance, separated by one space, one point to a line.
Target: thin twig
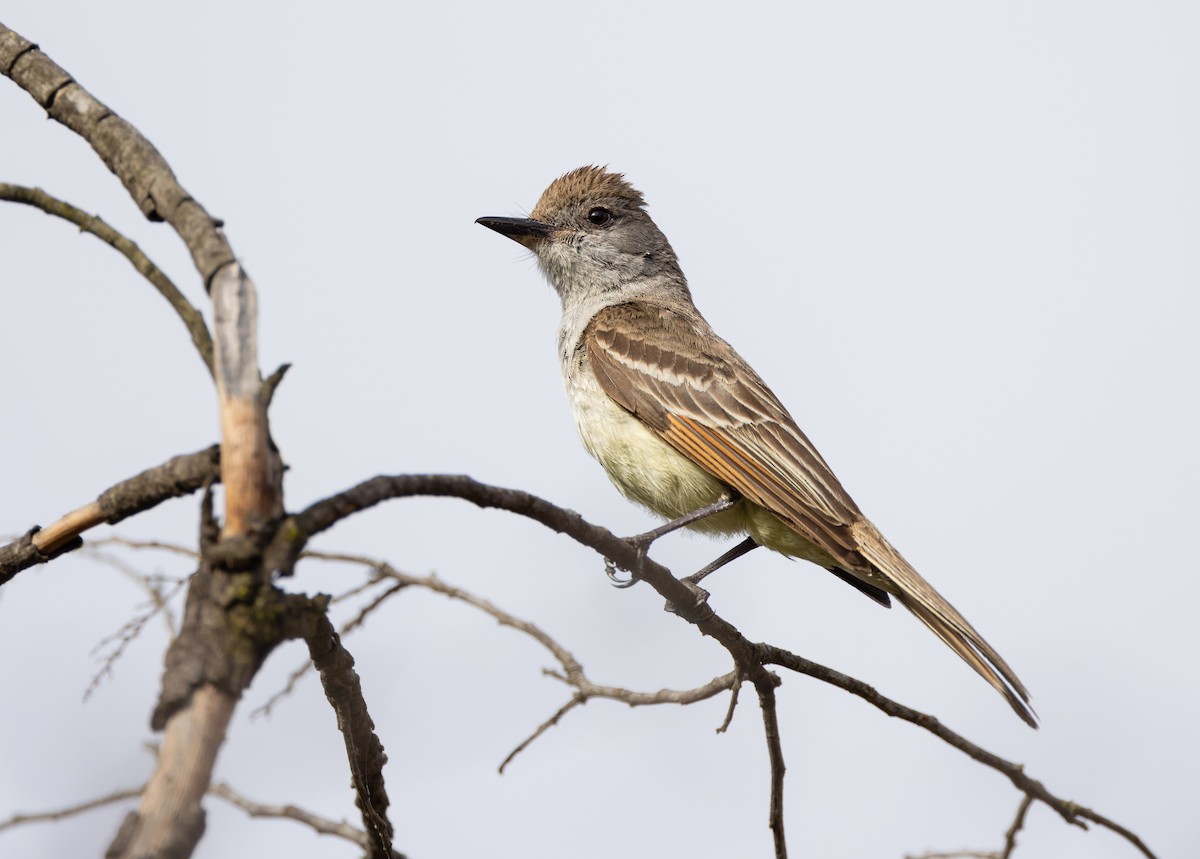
365 612
132 628
321 825
271 383
733 701
151 584
642 699
575 701
318 824
1010 837
573 673
362 587
565 658
93 224
1100 819
288 688
118 540
71 810
1069 811
766 701
381 570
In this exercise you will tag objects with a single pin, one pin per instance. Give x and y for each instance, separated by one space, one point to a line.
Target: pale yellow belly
653 474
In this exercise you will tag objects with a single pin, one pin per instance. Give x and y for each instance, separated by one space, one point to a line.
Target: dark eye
599 216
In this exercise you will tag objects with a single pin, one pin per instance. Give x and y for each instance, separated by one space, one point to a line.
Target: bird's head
592 236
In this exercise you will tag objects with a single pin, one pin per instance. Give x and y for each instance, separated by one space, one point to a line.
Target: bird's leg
691 582
642 542
732 555
727 500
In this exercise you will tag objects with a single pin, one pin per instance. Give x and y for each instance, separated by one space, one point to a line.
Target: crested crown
583 185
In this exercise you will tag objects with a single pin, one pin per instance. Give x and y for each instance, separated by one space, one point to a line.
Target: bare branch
365 612
132 628
1069 811
385 570
350 626
198 661
749 657
173 548
191 317
573 672
363 748
575 701
324 514
766 700
180 475
142 170
361 588
733 702
288 688
586 690
251 475
1010 841
1101 820
151 584
642 699
1010 837
271 383
761 654
318 824
71 811
63 531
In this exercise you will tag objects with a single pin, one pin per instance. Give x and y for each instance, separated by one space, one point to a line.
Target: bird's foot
698 592
614 576
641 544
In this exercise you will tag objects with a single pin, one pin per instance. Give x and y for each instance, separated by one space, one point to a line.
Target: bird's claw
614 577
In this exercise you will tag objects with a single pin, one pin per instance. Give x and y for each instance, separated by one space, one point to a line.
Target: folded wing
674 373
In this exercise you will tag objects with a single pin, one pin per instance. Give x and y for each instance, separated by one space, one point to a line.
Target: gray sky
958 240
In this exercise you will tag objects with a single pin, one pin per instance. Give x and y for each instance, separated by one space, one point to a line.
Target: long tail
932 609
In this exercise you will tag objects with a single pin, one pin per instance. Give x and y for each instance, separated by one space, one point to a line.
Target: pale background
959 240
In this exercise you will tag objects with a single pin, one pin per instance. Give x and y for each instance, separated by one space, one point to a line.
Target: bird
685 427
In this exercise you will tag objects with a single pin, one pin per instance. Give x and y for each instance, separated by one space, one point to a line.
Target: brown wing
702 398
678 377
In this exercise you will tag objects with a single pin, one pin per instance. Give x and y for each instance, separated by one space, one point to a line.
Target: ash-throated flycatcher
680 421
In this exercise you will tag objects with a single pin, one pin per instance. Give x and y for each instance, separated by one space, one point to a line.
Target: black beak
523 230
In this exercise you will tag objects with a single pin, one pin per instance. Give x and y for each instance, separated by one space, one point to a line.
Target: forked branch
749 657
572 672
